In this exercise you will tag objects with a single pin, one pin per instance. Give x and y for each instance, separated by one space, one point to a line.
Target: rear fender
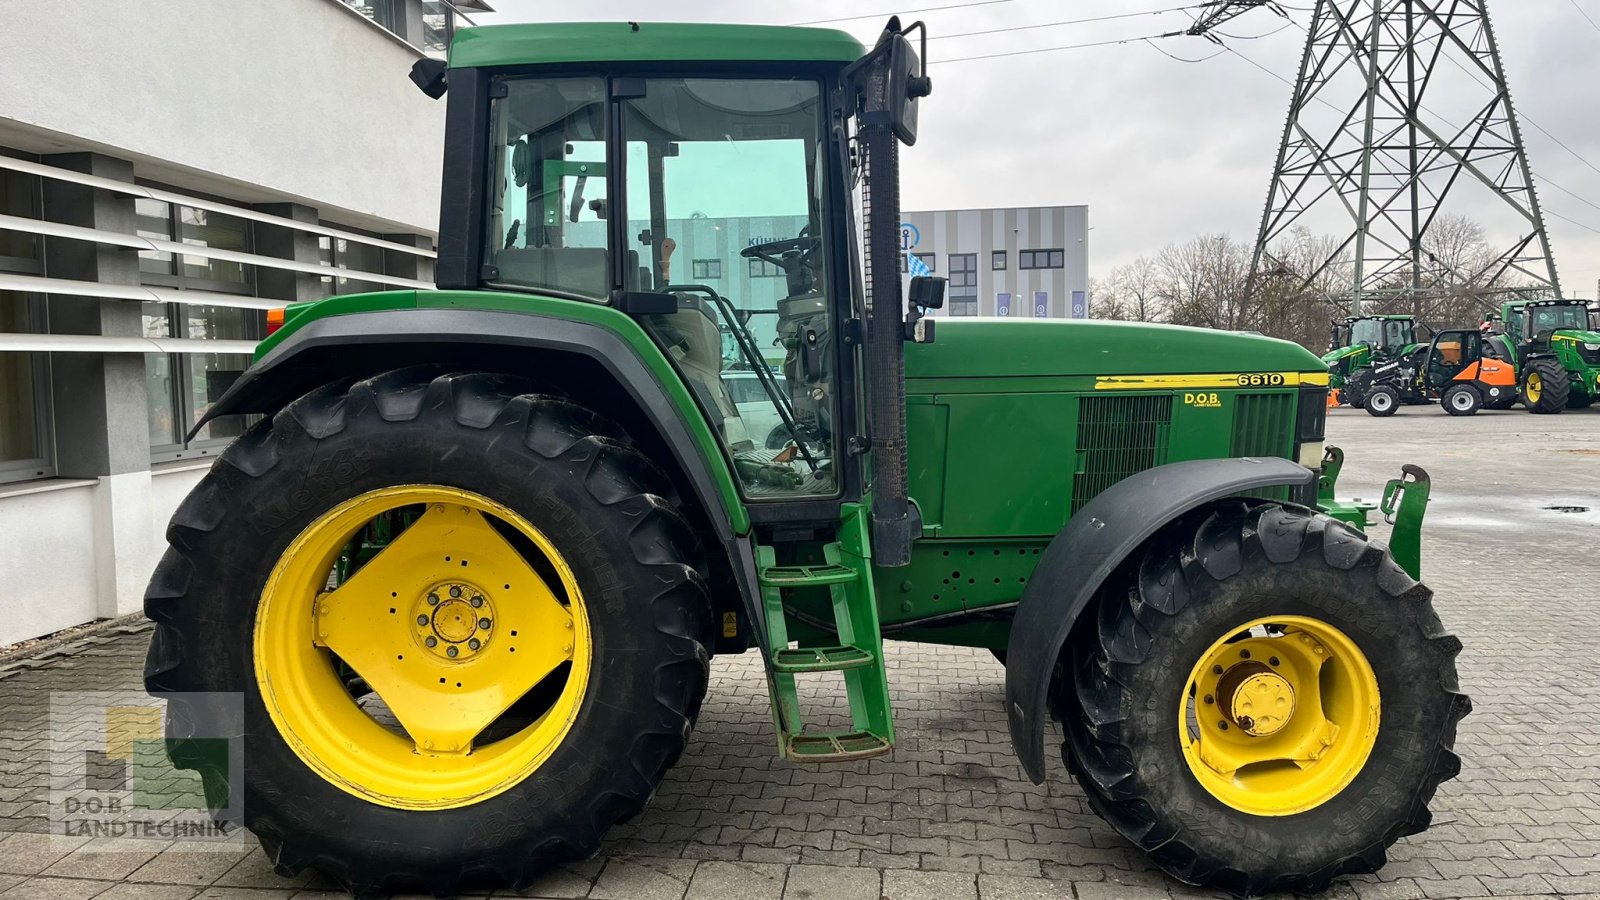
1091 546
360 344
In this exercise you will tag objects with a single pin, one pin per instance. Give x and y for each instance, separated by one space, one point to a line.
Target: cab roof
538 43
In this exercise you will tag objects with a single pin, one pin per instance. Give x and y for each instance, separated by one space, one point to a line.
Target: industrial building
166 175
1027 262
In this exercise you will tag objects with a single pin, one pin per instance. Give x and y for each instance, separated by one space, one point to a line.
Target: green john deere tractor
1360 343
456 592
1556 351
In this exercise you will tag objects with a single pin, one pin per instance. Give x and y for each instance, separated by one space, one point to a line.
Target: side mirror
891 81
927 292
429 74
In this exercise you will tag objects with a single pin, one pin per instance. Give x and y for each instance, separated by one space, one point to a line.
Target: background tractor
466 573
1556 351
1361 343
1459 368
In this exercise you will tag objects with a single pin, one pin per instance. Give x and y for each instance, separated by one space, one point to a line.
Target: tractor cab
1386 335
1537 321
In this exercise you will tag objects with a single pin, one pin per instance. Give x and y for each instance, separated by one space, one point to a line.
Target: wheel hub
1257 700
453 620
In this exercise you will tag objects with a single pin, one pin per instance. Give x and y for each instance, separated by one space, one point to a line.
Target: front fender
1080 558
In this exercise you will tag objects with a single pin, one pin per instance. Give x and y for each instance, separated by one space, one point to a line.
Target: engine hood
988 347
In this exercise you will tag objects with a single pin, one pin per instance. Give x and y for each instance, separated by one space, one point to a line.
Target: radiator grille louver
1263 425
1117 437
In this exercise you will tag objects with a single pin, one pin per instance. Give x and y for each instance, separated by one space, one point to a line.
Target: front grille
1263 425
1589 357
1117 437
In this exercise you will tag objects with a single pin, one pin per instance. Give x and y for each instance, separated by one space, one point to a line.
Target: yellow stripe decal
1222 380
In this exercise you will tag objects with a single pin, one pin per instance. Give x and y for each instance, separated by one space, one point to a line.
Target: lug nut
1273 660
1245 654
1246 723
1216 670
433 599
455 590
451 651
477 602
1222 725
422 620
474 644
432 641
484 624
1210 700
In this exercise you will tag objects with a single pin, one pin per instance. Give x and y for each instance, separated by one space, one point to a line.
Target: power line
901 12
1584 13
1128 40
1156 47
1153 12
1551 212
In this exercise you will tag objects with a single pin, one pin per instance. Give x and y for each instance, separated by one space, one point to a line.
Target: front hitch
1405 501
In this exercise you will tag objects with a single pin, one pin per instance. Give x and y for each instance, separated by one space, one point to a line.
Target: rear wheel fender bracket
1086 552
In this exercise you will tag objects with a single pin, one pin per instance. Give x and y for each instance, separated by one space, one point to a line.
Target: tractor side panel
997 475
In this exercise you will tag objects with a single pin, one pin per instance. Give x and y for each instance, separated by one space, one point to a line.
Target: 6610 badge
1262 379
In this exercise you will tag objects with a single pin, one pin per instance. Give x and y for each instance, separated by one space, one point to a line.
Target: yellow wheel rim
1535 386
1279 715
449 624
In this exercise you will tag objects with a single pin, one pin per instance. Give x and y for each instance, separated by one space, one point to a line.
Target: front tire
614 623
1382 401
1295 587
1545 387
1461 400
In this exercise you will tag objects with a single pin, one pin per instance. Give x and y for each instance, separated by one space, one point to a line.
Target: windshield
1556 318
724 186
1387 334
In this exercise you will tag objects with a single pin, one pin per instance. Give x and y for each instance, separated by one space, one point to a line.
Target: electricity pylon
1402 113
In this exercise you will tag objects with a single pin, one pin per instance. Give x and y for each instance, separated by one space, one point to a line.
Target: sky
1161 149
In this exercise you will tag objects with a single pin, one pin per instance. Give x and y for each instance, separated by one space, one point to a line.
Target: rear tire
1382 401
1545 386
572 474
1461 400
1201 582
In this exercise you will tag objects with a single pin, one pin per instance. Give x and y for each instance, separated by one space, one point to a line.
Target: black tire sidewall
1387 405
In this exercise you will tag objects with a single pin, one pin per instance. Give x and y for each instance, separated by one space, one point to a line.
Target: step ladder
856 651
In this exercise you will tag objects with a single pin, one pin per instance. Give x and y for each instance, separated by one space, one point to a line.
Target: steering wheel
806 243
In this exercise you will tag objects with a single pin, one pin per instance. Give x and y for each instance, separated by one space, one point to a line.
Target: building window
760 268
963 284
997 260
342 253
438 27
928 259
707 269
182 386
24 377
1041 259
201 228
24 381
19 196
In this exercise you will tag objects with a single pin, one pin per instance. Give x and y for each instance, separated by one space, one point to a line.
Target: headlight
1311 455
1591 346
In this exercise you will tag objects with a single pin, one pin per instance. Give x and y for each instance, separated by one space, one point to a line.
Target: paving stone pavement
949 816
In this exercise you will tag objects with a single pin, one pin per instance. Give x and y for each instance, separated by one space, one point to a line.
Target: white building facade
1017 262
168 172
